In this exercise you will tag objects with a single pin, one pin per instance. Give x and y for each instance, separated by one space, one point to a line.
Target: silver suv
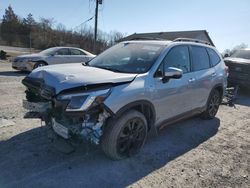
119 96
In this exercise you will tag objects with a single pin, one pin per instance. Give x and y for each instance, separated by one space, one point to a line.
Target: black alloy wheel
131 137
123 137
214 104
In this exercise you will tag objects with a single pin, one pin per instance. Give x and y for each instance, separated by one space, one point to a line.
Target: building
196 34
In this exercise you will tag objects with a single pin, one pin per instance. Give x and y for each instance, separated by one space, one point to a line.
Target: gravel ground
193 153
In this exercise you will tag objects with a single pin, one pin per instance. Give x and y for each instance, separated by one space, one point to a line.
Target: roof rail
147 38
191 40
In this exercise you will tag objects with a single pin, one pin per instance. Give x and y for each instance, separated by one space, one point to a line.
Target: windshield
245 54
49 51
128 57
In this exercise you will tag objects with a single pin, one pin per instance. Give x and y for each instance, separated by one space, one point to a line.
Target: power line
83 23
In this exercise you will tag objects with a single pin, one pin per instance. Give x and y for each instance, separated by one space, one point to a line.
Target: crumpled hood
236 60
72 75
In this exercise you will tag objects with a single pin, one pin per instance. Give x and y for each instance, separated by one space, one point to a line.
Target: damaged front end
74 113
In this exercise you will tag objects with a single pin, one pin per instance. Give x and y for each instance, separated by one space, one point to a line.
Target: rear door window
200 59
63 51
214 57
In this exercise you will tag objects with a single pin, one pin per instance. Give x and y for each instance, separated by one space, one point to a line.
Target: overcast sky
227 21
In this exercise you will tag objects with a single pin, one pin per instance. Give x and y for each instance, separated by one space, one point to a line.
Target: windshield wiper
85 63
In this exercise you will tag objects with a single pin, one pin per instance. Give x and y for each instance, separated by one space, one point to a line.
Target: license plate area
60 129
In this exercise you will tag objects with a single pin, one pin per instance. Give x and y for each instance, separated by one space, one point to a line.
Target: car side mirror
226 55
172 73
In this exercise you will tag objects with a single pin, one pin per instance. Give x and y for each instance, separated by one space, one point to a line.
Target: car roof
61 47
159 42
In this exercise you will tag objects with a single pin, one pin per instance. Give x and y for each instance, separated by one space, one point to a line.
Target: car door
78 56
204 75
175 97
62 55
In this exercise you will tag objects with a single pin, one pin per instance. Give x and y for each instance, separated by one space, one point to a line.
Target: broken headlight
83 101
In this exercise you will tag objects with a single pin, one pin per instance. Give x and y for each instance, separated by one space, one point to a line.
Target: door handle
191 80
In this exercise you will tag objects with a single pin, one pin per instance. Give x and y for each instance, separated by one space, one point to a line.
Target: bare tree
237 47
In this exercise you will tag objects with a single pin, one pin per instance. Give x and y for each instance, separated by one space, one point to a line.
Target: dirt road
193 153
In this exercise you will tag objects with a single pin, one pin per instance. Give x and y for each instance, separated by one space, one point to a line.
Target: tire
213 104
125 136
39 64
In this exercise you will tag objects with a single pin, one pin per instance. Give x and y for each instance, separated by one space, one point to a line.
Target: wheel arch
218 87
41 61
143 106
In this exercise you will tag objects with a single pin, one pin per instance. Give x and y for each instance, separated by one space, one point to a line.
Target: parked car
239 68
55 55
129 89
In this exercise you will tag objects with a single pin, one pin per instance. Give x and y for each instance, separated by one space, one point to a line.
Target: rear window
214 57
200 58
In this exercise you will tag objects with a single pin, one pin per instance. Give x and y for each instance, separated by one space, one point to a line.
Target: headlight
76 103
83 101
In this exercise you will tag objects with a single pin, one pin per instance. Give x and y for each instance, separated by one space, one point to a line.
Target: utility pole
96 20
30 41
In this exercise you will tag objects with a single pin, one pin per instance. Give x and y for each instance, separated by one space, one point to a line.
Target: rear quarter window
76 52
214 57
200 59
